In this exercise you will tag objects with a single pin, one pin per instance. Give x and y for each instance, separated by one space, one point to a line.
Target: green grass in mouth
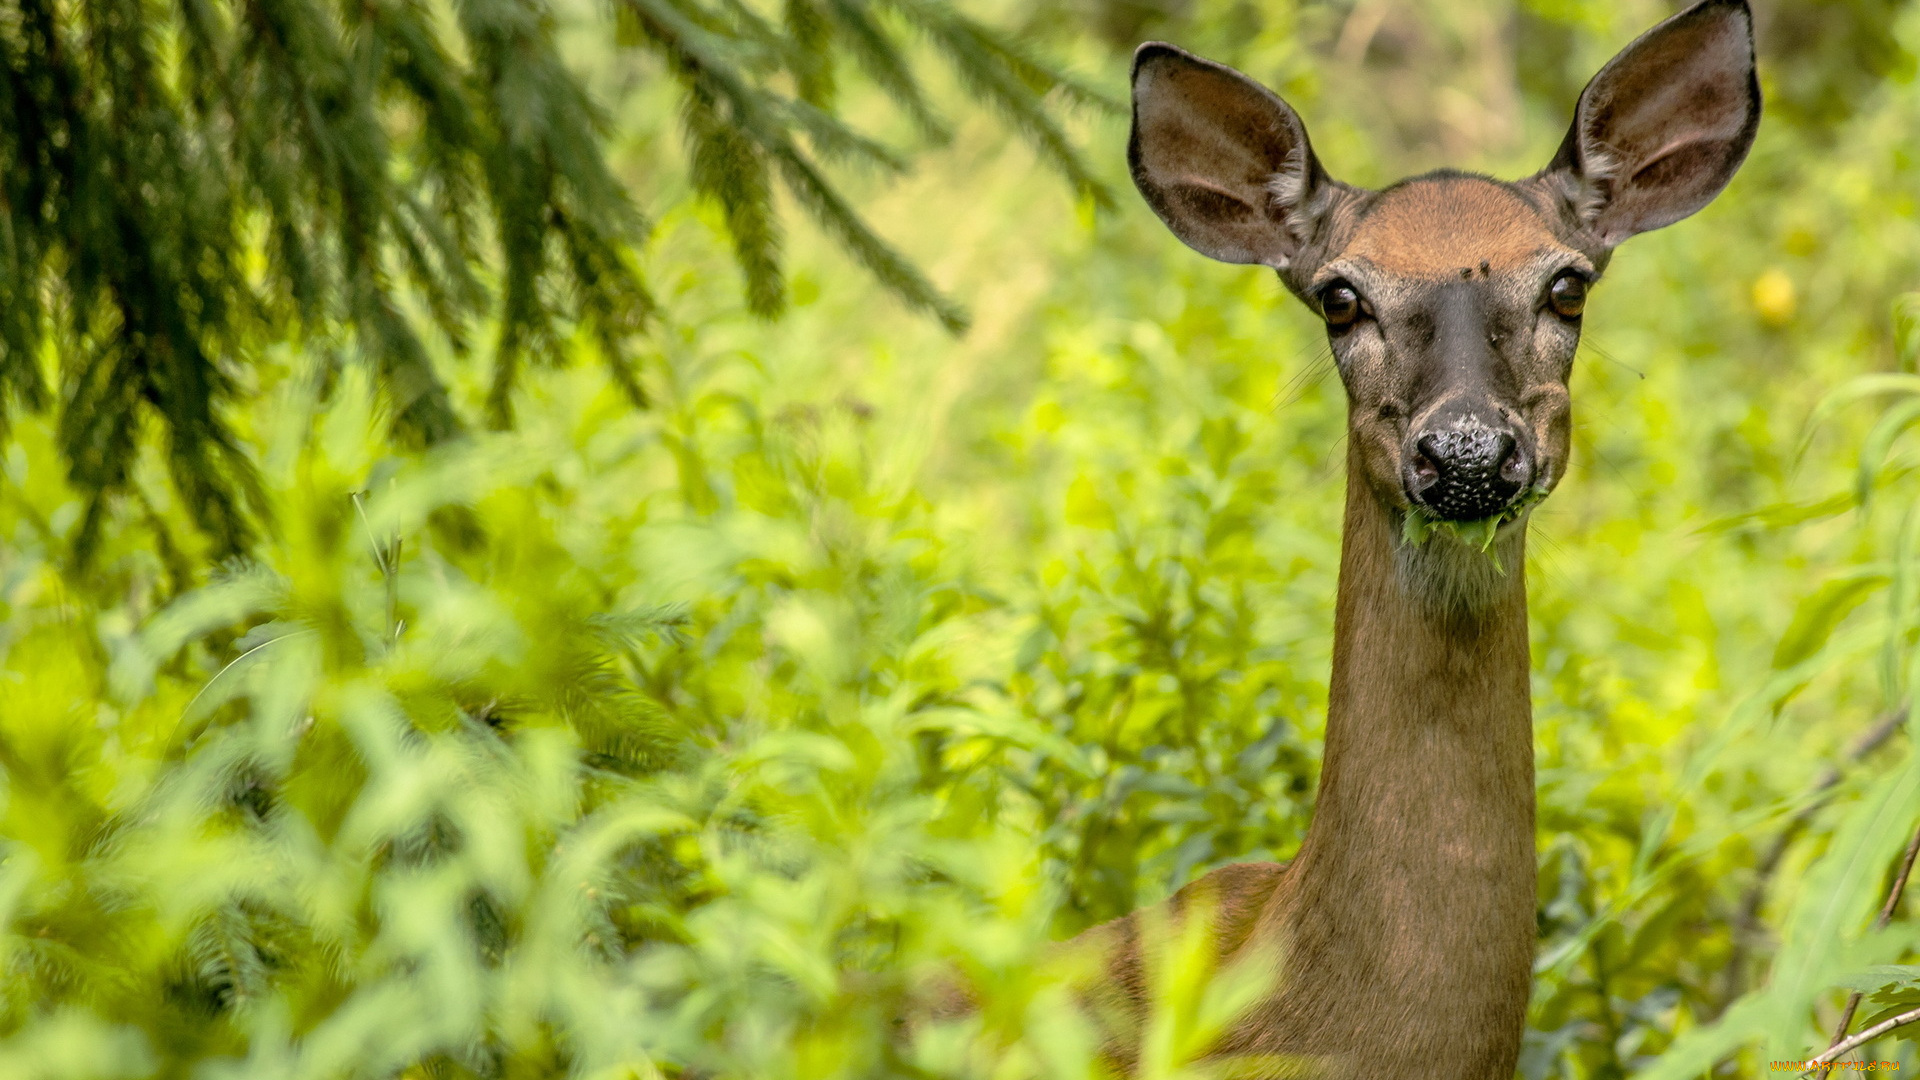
1479 534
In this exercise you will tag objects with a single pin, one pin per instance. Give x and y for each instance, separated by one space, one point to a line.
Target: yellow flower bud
1774 297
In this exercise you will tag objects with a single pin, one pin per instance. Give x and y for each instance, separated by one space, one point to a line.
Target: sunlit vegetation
736 701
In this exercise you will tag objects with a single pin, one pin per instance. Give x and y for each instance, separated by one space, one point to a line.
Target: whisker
1589 416
1545 552
1606 462
1588 343
1336 454
1309 376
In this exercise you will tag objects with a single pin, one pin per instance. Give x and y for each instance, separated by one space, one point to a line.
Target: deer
1402 933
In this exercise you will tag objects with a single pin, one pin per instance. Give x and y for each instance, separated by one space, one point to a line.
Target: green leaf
1906 330
1879 442
1858 388
1881 977
1815 617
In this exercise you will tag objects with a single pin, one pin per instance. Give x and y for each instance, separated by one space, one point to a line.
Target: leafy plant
741 735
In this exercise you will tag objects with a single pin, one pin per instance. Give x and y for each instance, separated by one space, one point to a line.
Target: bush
703 740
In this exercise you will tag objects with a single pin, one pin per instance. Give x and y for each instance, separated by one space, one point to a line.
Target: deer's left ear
1223 161
1662 128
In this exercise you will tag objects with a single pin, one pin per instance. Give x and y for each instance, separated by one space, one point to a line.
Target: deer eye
1567 296
1339 305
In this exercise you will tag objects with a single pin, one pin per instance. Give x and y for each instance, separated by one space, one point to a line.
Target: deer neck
1412 899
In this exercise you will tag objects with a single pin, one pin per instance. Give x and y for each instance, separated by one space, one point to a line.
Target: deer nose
1467 470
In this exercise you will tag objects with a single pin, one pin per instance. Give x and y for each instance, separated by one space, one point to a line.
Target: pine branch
838 142
1007 80
728 168
388 152
882 62
811 55
612 322
733 175
886 264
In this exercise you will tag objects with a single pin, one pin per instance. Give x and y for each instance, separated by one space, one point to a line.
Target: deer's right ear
1661 129
1221 159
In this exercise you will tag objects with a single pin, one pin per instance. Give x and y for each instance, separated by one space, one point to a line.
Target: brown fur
1404 928
1436 227
1399 942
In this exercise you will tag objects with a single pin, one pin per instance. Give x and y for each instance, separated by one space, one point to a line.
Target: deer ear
1221 159
1662 128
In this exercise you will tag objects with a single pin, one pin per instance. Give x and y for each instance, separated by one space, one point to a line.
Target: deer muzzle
1466 467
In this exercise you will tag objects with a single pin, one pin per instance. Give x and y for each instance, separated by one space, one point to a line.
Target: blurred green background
700 739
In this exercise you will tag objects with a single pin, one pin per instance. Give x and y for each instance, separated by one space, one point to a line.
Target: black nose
1467 471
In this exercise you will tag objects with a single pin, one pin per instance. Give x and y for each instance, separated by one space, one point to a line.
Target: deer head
1452 301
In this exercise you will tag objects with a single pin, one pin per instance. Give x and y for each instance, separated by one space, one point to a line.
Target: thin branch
1899 883
1747 926
1833 1052
1886 916
236 664
1867 743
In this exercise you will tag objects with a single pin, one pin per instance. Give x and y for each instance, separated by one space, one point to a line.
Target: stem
1862 1039
1886 916
1747 928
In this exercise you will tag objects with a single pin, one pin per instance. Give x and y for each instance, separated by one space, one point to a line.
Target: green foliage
711 739
741 131
185 185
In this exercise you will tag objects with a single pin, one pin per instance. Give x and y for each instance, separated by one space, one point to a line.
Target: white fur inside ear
1600 161
1602 166
1289 185
1291 196
1288 190
1285 189
1587 192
